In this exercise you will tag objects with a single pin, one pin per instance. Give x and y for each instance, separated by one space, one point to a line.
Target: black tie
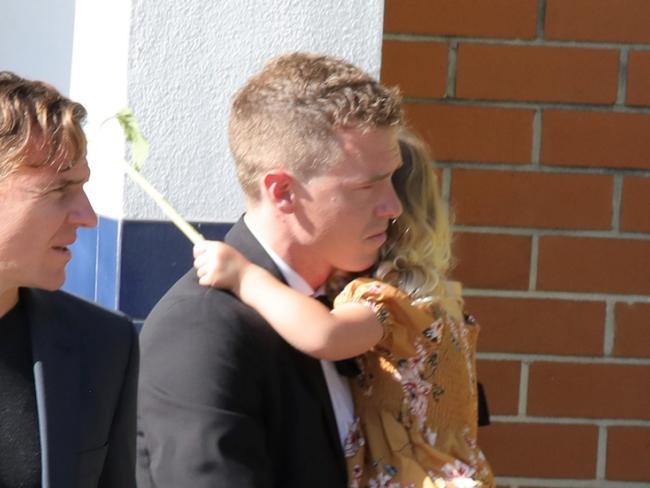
345 367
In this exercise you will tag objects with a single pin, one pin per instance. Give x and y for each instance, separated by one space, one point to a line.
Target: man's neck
296 257
8 300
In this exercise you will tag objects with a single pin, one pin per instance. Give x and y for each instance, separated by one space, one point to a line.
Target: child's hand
219 265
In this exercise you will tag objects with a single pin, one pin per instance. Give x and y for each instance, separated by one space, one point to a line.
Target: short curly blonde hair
36 119
286 115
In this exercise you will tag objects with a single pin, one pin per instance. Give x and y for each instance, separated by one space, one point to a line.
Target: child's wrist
246 272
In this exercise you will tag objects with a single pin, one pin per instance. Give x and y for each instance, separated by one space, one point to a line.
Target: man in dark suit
223 400
68 369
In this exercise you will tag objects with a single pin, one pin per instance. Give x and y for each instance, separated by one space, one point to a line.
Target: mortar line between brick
451 70
528 105
523 388
530 231
610 328
445 185
541 358
534 258
541 18
564 482
621 92
537 139
392 36
559 295
529 168
601 457
617 192
510 419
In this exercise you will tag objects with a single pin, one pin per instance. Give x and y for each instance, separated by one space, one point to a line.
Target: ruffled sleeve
373 294
402 323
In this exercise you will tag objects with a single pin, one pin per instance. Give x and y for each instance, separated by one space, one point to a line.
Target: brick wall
538 113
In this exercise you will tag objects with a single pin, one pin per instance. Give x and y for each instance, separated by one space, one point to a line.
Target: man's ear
279 188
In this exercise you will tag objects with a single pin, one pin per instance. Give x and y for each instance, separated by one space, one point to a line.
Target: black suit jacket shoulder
85 368
224 401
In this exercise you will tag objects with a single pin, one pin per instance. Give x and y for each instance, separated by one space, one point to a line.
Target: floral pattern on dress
416 395
354 440
434 331
415 388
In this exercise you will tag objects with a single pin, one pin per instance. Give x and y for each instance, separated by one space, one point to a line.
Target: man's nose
391 206
82 213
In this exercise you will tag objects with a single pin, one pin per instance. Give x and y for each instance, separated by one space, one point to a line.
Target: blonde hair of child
417 254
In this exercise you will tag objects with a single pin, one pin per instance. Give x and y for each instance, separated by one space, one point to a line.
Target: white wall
99 80
36 39
177 64
187 59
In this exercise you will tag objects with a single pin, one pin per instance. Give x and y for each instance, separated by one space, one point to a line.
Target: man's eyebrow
70 181
63 181
383 176
75 181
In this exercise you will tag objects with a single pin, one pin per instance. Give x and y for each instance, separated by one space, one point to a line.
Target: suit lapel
55 351
309 368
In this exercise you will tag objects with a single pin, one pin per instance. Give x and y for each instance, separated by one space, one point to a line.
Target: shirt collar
293 279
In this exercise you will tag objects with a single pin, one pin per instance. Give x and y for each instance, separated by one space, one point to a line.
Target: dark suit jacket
85 372
224 401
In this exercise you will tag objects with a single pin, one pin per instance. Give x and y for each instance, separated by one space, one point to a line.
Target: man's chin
362 266
51 283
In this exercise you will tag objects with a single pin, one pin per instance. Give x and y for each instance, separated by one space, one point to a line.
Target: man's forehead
378 145
55 173
354 135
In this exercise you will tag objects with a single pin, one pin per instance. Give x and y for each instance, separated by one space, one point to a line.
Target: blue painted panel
154 255
107 262
81 270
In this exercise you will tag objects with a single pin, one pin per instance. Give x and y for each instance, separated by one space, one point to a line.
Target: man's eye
59 190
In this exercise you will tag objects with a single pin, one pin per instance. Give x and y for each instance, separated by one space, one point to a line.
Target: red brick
419 68
638 78
635 203
628 452
481 134
549 74
541 450
632 337
501 382
585 264
604 139
526 199
598 20
492 260
537 326
615 391
496 18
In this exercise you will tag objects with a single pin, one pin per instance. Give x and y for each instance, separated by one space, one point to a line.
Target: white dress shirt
337 385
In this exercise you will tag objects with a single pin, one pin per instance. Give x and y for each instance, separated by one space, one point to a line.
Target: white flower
430 436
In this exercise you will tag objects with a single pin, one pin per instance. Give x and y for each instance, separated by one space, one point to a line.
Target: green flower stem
140 152
183 225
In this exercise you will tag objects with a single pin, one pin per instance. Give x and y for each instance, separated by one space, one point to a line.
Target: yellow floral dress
416 397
